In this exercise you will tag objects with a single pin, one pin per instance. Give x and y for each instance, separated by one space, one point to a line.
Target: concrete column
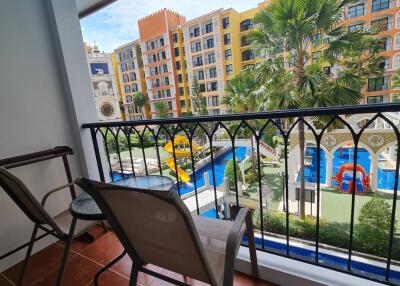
374 172
391 154
329 165
206 180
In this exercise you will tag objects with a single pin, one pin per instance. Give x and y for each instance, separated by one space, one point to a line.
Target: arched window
396 60
396 45
398 20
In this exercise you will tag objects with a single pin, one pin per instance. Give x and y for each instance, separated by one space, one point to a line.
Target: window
209 28
215 111
376 84
134 87
211 58
246 25
175 37
165 68
355 27
356 10
183 103
200 75
378 5
380 25
169 105
213 86
327 70
316 56
213 73
229 69
128 99
385 43
202 87
125 78
181 91
396 98
292 61
227 39
197 47
244 42
198 61
127 88
396 41
178 65
375 99
225 22
316 39
166 80
247 55
228 54
396 60
176 52
214 100
161 42
123 67
196 32
168 93
132 76
130 109
180 78
163 55
210 43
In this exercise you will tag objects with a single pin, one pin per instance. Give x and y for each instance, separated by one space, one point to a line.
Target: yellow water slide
179 141
183 176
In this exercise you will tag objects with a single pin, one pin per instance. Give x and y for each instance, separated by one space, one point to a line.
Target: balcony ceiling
86 7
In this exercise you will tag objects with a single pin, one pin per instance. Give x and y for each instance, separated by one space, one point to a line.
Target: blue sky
117 23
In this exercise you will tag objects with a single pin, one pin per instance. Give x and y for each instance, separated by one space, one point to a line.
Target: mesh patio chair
62 226
156 227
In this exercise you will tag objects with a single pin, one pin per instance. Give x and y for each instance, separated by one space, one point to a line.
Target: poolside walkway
205 199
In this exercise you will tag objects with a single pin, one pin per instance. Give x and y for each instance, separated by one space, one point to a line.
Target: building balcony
234 137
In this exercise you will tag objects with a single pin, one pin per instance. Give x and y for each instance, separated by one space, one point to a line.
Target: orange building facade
158 60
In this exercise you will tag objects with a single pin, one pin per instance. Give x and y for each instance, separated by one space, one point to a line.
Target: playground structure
180 147
345 180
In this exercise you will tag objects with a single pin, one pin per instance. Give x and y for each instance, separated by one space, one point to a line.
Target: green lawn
336 207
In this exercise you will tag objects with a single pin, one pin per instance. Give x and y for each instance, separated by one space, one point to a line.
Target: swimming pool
219 167
377 271
342 156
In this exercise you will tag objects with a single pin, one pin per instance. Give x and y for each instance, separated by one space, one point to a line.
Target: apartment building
384 17
131 79
158 59
104 84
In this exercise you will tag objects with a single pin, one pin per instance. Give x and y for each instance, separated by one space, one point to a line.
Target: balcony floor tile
86 258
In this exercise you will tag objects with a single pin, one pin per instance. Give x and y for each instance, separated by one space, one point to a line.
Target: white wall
42 81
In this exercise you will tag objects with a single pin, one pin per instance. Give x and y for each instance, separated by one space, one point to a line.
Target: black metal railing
267 171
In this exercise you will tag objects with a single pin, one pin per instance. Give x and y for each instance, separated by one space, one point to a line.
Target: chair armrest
234 238
49 193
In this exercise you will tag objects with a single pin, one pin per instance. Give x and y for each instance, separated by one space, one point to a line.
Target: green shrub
251 176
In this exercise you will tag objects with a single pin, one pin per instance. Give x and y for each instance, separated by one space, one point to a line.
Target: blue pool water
327 259
219 167
386 178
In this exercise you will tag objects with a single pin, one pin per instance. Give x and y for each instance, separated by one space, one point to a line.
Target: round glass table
84 207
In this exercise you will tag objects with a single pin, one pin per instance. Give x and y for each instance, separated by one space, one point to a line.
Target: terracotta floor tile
104 249
79 271
241 279
123 266
110 278
39 264
4 281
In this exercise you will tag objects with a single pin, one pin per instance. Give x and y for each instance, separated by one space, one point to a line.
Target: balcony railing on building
253 160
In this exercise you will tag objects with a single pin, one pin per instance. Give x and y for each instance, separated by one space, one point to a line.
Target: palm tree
239 98
139 99
291 26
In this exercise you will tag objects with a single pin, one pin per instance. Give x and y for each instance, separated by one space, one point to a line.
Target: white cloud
117 23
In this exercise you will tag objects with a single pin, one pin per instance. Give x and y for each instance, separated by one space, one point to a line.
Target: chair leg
111 263
66 252
252 245
28 254
134 274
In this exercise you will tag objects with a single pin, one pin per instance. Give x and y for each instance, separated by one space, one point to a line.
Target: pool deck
205 199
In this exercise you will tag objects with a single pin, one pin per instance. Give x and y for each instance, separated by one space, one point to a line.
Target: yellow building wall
116 75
